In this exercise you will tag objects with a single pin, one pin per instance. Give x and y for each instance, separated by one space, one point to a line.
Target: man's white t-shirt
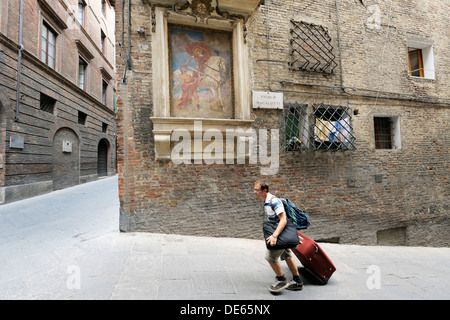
273 207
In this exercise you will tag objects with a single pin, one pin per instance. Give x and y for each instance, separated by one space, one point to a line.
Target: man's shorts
273 256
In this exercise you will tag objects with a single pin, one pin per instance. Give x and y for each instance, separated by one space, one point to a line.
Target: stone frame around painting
164 123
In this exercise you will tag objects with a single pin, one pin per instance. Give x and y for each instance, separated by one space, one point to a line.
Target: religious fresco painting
201 73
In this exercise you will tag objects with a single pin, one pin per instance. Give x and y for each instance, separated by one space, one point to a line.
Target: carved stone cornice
87 55
203 10
51 13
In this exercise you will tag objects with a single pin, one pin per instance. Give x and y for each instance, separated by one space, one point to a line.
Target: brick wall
409 206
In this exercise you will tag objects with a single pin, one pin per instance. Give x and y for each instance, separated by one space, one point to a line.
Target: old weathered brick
371 79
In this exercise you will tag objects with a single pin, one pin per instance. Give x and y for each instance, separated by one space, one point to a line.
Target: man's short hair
263 184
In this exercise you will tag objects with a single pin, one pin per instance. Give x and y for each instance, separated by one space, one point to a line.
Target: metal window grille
47 103
311 48
328 128
332 128
296 127
383 135
82 117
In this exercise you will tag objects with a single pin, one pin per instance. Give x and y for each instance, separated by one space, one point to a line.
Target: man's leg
296 283
292 266
273 256
277 268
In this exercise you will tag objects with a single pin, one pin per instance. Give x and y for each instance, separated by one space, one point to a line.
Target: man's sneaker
294 285
278 285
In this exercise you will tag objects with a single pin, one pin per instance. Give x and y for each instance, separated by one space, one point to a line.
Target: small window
420 60
104 91
104 127
296 127
48 45
387 133
383 135
47 103
104 7
82 118
103 42
82 66
81 12
415 63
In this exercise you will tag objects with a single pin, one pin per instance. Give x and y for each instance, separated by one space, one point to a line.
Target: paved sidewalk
66 245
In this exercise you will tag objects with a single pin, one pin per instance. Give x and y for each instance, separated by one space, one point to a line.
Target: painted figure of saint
189 86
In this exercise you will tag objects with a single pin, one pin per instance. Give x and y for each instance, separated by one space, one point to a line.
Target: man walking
274 210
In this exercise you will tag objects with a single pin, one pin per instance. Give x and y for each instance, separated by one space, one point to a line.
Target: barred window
332 128
47 103
387 132
311 48
296 127
327 128
82 118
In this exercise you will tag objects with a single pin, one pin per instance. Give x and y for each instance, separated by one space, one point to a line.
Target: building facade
57 95
341 106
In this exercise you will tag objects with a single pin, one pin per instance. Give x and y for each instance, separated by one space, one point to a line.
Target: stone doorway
66 159
102 158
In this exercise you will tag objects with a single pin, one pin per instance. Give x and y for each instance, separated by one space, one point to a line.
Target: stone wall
42 165
366 196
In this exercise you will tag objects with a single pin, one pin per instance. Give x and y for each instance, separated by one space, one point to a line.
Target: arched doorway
102 158
66 159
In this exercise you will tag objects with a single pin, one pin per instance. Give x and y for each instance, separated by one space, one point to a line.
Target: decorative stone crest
201 7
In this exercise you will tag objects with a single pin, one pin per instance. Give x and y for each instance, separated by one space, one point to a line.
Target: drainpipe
339 46
127 55
19 61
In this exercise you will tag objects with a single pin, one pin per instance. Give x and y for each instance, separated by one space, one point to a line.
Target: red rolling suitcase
314 259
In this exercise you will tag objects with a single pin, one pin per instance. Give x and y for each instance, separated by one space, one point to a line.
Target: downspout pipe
127 55
19 61
124 77
339 45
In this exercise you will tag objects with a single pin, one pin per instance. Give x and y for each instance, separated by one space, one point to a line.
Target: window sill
390 150
421 78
